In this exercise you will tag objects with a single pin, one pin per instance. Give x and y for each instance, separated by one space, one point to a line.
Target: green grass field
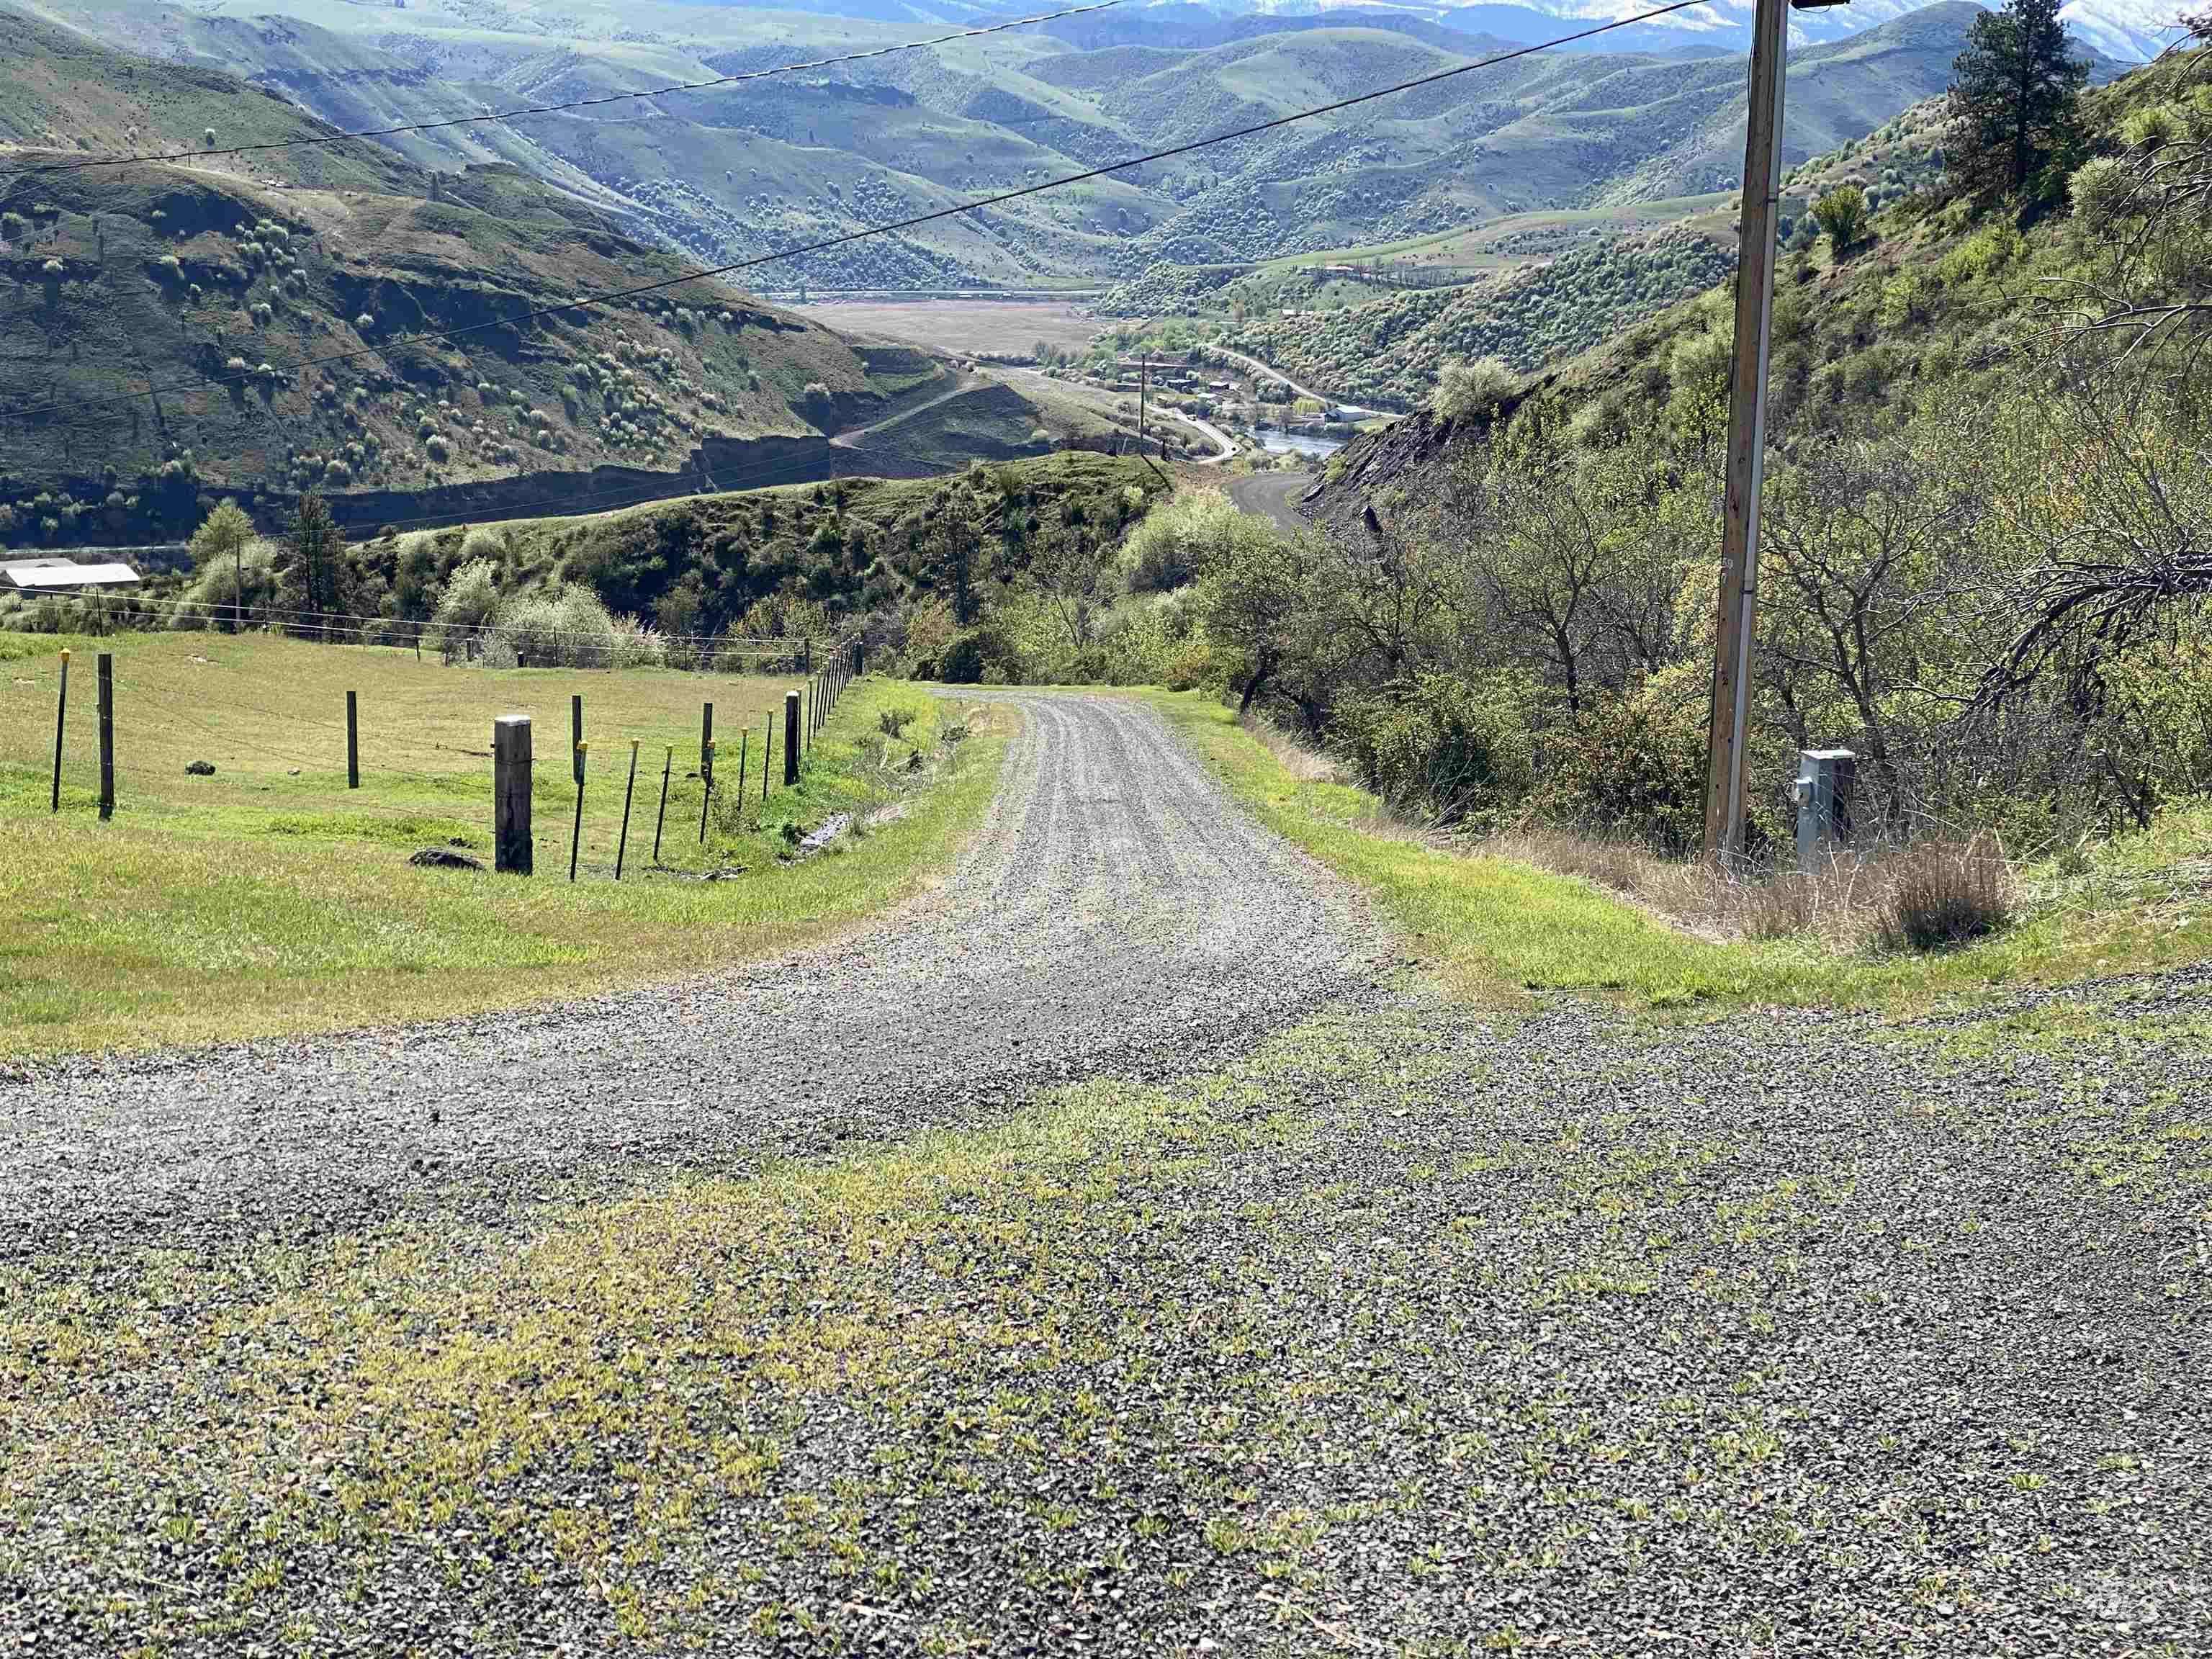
270 897
1496 928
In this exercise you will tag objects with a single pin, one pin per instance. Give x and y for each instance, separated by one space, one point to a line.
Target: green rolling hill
176 332
734 172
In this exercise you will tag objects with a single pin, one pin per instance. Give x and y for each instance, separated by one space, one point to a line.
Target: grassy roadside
1496 928
281 903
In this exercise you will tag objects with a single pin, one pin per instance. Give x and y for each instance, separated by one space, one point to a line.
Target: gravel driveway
1330 1316
1114 913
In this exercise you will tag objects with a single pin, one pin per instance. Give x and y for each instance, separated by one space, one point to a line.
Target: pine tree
2014 92
317 578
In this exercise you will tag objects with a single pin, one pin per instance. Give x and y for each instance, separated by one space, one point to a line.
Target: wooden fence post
621 846
510 794
668 766
790 738
61 719
106 735
352 740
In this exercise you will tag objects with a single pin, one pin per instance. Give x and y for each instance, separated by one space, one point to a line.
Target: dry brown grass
1942 893
1306 765
1919 897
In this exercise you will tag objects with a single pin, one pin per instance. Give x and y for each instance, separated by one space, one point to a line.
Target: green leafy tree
2014 96
223 535
1842 215
1254 602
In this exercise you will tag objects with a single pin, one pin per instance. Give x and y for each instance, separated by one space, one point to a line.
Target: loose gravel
1114 913
1326 1315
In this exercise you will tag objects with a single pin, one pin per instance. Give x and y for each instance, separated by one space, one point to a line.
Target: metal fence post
668 766
621 846
61 721
106 735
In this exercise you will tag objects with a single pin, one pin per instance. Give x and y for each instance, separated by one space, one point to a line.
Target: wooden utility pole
1144 367
1746 455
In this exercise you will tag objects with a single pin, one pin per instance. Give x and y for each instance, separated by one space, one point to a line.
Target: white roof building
62 575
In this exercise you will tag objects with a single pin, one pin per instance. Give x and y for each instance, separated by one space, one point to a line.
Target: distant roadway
1270 495
1274 373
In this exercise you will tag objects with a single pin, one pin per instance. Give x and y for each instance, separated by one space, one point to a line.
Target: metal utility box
1824 803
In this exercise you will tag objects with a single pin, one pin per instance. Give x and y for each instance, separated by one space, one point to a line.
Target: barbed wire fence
91 710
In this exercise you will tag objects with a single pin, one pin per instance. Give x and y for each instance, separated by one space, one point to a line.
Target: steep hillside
172 330
735 171
1385 353
1933 308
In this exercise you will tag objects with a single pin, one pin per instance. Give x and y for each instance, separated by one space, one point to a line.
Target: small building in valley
63 576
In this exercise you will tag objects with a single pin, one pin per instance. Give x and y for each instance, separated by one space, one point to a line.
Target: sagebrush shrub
1465 391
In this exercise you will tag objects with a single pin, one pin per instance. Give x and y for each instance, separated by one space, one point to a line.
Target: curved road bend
1115 914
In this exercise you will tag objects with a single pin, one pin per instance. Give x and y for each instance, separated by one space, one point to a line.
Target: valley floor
1119 1250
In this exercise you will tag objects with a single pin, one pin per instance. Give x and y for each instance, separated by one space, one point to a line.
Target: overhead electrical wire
585 302
81 164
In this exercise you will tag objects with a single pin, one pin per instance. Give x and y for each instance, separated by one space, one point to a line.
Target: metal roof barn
62 575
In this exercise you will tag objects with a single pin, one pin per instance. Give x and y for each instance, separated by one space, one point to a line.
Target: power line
86 163
581 302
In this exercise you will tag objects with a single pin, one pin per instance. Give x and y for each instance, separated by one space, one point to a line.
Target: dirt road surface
1115 912
1368 1321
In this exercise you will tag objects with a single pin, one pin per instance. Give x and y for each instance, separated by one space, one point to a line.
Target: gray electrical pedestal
1824 803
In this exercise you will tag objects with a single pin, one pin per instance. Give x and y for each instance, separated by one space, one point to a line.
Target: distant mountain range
732 173
2126 30
2129 31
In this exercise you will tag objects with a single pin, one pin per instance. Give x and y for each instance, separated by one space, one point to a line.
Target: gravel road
1382 1324
1273 496
1115 912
